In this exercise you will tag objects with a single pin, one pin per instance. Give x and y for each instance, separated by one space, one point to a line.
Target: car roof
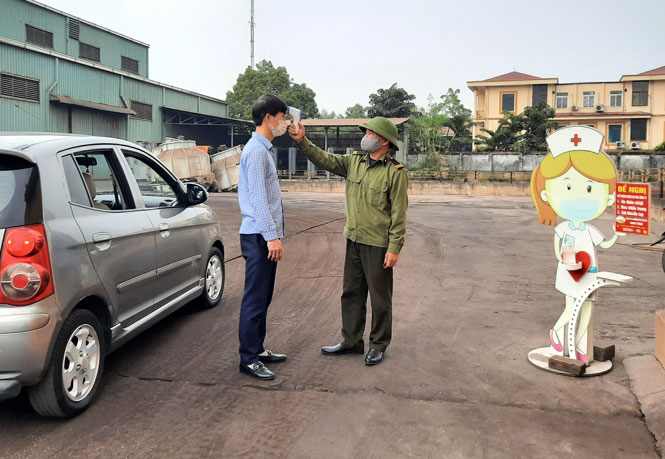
36 144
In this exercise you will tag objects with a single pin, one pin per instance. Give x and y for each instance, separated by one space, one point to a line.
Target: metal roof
50 8
93 105
345 122
105 68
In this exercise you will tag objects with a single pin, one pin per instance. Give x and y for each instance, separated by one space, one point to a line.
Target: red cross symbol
576 140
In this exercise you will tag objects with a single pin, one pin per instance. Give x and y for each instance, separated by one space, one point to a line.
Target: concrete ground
474 292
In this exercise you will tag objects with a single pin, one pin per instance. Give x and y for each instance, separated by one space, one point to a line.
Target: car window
153 184
102 180
78 192
20 193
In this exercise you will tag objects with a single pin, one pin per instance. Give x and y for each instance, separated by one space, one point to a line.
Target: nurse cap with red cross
574 138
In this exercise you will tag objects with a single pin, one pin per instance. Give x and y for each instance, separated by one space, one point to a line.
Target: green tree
268 79
393 102
501 139
325 114
429 136
302 97
355 111
458 120
452 106
536 123
524 132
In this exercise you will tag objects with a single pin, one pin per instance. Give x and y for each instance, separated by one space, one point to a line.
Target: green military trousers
363 272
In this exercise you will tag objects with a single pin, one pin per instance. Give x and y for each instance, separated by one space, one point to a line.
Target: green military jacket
376 198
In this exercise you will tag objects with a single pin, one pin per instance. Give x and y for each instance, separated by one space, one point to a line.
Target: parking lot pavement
474 292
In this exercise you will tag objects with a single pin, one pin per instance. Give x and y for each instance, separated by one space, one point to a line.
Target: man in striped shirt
261 232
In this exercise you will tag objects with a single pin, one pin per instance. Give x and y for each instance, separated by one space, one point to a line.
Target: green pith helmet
384 127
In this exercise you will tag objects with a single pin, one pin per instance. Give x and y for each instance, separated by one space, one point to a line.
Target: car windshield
20 195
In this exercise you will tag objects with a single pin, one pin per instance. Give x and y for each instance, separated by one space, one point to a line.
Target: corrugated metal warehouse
60 73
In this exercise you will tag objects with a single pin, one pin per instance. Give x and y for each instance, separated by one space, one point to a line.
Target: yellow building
630 112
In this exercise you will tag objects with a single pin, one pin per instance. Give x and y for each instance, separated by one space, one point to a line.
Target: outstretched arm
337 164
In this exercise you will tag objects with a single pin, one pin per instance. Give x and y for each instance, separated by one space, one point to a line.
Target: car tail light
25 268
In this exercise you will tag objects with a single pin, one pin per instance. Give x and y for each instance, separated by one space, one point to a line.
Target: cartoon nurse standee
577 182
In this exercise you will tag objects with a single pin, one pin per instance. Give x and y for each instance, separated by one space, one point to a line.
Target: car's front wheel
214 277
75 370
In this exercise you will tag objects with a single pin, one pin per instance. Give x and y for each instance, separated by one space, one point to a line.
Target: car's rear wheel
215 277
75 370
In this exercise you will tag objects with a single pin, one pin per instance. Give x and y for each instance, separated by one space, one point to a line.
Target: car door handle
102 240
101 237
164 229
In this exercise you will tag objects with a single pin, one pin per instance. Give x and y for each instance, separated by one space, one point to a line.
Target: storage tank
225 165
187 162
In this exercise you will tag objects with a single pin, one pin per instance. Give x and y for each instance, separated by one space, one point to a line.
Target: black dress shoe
258 370
338 349
373 357
272 357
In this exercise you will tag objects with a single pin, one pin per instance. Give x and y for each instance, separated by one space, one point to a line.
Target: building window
130 65
616 98
89 52
19 88
143 111
508 101
589 99
74 28
38 36
539 94
640 93
614 133
638 129
561 100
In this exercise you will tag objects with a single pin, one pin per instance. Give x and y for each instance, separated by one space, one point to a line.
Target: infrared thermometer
296 114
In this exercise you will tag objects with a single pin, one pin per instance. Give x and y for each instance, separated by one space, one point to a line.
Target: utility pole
251 26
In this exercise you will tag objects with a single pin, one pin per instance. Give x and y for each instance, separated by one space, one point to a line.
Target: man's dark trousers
259 284
363 272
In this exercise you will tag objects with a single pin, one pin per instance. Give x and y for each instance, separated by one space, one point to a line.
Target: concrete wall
517 162
417 187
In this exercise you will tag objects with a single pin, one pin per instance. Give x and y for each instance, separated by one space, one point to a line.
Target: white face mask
281 128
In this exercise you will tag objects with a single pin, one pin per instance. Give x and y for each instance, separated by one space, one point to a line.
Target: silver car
98 241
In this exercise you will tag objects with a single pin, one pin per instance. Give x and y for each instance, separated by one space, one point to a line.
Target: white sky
346 49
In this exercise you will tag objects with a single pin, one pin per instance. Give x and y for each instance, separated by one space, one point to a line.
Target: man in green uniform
376 202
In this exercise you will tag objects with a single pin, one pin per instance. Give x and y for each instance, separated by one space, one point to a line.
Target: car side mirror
196 194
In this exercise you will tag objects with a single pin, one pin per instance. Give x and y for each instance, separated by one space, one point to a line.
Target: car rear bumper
9 389
26 334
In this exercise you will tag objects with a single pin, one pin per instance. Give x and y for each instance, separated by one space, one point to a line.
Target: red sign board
632 208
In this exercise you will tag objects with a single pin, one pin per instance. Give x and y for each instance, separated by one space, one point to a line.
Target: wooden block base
604 353
540 358
570 366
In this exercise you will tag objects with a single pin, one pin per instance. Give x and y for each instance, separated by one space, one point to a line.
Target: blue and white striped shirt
258 191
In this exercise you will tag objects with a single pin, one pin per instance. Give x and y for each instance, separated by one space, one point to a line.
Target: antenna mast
251 26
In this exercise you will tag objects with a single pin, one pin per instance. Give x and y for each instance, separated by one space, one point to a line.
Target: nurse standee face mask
370 144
